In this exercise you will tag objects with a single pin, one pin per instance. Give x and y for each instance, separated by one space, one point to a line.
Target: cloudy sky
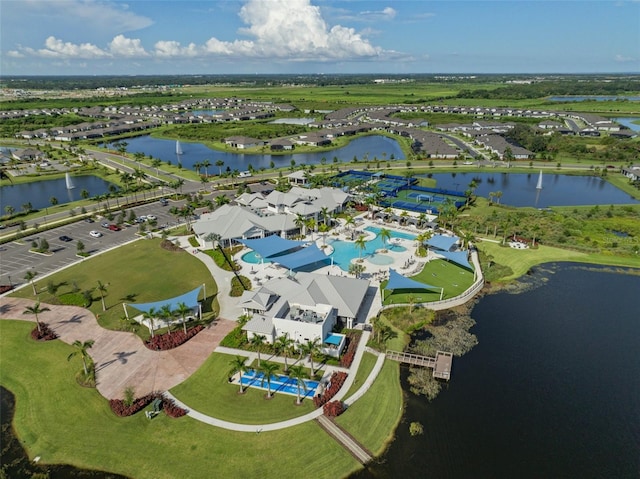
96 37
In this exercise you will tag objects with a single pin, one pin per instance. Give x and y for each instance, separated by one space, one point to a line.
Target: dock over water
441 364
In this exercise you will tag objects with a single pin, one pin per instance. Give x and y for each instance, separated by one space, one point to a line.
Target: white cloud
284 30
623 59
15 54
386 13
121 46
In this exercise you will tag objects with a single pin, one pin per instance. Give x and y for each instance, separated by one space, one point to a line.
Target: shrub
333 408
166 341
119 407
45 333
335 383
352 345
170 246
235 339
171 409
238 286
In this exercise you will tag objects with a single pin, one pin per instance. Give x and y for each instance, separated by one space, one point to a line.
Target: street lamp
10 283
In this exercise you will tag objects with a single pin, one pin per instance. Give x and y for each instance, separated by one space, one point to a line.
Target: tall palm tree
283 346
151 315
310 224
299 373
166 314
221 200
267 369
324 213
29 275
219 164
182 310
102 289
300 223
361 245
81 349
323 228
311 348
238 366
35 310
206 164
349 221
385 235
257 342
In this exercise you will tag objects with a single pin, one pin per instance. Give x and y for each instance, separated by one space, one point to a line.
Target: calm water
552 390
375 146
38 193
628 122
519 189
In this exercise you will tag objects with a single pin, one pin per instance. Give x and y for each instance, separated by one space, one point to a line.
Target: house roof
260 324
232 222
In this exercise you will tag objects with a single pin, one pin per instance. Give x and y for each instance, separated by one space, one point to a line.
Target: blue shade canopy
397 281
190 299
271 245
309 255
442 242
458 257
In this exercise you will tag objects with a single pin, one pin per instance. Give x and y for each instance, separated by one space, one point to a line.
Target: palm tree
35 310
221 200
283 346
9 210
150 315
385 235
219 164
257 341
300 223
349 221
81 349
361 245
310 224
206 164
29 275
299 373
182 310
166 314
323 228
311 348
102 289
238 366
267 369
53 201
324 213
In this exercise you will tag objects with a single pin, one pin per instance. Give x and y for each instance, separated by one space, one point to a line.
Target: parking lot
16 259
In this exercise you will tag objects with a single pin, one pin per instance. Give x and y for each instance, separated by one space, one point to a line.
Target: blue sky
95 37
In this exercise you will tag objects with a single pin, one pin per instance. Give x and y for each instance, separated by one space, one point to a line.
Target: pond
39 193
375 146
628 122
519 189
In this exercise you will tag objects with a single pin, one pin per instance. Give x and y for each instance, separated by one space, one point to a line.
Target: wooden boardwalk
344 438
441 364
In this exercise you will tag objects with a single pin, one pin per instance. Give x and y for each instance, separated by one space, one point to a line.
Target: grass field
366 366
63 423
139 272
439 273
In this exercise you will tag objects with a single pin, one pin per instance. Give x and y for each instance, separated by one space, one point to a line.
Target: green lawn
141 269
377 412
63 423
439 273
209 392
366 366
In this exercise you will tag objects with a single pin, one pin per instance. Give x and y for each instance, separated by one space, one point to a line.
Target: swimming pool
345 251
280 384
253 258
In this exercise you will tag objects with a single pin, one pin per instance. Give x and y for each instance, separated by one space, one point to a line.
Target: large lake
378 146
519 189
552 390
39 193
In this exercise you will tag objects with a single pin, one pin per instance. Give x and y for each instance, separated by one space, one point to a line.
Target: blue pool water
334 339
280 384
345 251
380 259
253 258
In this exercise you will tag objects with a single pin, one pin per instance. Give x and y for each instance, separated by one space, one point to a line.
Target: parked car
164 202
95 234
104 224
114 228
88 220
152 217
65 238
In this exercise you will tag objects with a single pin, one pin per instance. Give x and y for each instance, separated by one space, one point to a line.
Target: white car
95 234
152 217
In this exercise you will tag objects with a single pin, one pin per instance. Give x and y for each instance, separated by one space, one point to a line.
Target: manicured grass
439 273
366 365
377 412
63 423
209 392
141 269
520 261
